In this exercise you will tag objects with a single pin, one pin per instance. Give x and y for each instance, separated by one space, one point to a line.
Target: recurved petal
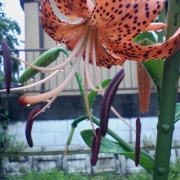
59 30
75 8
124 19
29 124
132 51
155 27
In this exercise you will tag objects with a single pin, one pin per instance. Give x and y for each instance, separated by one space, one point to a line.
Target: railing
129 84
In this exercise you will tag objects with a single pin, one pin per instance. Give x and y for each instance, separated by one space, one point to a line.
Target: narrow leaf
111 147
177 113
107 146
155 70
146 35
144 161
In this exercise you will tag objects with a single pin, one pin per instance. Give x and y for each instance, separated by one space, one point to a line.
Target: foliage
4 117
174 170
55 174
9 29
8 143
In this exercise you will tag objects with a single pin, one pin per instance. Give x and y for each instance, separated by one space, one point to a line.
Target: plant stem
160 39
161 19
165 125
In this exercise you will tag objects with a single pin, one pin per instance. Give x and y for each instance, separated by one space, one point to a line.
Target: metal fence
129 84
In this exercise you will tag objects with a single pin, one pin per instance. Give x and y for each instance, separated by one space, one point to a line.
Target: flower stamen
86 67
100 86
68 60
24 100
34 84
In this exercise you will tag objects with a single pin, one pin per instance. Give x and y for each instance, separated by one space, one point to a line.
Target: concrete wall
52 135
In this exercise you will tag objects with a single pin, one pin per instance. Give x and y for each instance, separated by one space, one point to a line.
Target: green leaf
92 95
107 146
155 70
111 147
42 61
153 67
177 113
146 35
144 161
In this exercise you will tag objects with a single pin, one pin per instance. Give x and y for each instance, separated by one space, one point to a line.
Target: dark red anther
95 147
29 124
108 100
138 139
7 64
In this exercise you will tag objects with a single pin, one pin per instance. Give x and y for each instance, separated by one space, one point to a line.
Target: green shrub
56 174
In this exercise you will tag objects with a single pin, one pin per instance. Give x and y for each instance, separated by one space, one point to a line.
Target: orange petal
132 51
118 20
60 31
155 27
75 8
105 58
144 87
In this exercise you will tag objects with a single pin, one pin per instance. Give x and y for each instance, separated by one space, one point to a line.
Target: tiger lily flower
103 37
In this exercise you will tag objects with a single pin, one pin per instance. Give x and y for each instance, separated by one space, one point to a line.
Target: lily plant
106 33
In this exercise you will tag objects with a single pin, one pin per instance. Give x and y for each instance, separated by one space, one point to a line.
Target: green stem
160 39
158 94
165 125
73 126
78 78
79 81
161 19
68 142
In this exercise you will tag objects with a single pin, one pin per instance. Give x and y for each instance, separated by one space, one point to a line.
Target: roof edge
25 1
